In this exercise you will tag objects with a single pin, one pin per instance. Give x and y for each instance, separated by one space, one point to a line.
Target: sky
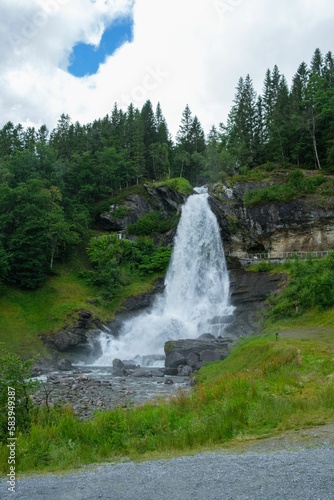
79 57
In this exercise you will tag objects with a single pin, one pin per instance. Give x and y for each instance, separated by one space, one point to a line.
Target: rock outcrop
187 355
305 224
162 198
249 293
79 340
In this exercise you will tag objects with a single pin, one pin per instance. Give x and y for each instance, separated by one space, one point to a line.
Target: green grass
297 185
24 315
263 388
178 183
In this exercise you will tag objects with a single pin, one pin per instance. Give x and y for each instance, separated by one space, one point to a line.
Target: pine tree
183 137
242 123
150 135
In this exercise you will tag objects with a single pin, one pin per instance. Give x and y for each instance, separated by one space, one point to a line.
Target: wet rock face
80 340
189 355
305 224
135 206
249 292
161 198
166 199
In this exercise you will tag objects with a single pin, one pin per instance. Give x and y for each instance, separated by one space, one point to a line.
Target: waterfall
196 295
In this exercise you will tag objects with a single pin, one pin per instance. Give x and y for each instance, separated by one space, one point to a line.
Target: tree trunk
314 141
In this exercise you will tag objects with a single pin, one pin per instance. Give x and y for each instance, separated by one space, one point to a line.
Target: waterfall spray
196 295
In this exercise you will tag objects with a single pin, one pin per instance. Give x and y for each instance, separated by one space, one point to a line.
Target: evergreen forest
53 183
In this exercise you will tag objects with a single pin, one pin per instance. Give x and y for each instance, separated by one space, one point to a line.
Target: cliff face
134 205
302 225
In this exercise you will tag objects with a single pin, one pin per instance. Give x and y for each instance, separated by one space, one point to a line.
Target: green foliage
157 262
297 185
22 319
232 223
310 285
16 387
120 212
35 231
152 223
249 175
117 261
178 184
263 387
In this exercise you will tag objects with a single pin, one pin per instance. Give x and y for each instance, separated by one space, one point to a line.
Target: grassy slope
24 315
265 387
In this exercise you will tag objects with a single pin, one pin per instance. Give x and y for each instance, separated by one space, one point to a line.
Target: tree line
52 183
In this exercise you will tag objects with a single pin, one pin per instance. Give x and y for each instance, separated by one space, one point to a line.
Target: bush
297 185
152 223
311 284
15 387
118 262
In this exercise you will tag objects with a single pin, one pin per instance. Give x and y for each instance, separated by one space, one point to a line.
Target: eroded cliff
304 224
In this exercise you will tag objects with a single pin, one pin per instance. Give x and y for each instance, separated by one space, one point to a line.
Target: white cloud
189 51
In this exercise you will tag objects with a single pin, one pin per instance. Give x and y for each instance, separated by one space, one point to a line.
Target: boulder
117 364
171 371
193 359
141 373
188 355
209 355
185 371
174 360
79 340
185 347
65 365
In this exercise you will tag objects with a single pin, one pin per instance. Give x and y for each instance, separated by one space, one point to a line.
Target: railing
278 255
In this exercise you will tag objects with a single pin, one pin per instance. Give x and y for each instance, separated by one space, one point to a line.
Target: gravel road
273 469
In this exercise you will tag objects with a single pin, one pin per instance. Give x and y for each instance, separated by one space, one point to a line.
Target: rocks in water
185 370
119 372
65 365
141 373
80 340
189 355
169 381
86 393
118 364
175 359
171 371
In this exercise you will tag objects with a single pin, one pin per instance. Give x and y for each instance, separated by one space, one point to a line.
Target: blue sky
85 59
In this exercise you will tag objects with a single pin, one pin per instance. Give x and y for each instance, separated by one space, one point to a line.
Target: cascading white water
196 296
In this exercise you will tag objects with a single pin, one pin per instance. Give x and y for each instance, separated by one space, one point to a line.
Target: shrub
311 284
152 223
16 387
297 185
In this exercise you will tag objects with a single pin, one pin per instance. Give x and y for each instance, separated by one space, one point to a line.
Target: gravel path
278 468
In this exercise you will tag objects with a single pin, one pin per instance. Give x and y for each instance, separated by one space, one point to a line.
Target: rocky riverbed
90 389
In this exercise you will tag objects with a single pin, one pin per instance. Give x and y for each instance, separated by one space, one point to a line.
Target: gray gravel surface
305 473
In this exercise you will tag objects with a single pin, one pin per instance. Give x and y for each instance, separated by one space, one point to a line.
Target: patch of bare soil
292 440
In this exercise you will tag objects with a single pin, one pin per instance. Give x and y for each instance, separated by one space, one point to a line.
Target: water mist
196 295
